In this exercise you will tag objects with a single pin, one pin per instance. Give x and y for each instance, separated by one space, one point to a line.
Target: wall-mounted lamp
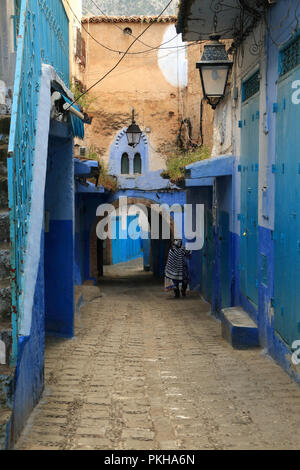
214 68
133 133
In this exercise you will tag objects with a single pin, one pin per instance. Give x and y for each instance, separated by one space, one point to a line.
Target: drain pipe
56 96
73 110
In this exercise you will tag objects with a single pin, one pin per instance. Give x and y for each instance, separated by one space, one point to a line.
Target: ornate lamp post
214 68
133 133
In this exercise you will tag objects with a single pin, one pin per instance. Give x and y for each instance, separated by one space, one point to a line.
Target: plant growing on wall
85 101
105 179
92 153
179 159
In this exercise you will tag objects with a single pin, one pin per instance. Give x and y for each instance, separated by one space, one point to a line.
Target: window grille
290 57
250 86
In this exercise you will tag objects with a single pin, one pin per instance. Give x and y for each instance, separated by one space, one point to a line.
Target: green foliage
177 162
129 7
105 179
92 153
84 101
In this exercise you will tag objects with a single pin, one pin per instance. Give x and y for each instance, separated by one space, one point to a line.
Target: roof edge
222 165
130 19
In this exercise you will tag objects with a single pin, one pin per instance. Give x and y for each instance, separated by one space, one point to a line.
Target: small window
82 151
137 164
127 31
251 86
290 56
125 164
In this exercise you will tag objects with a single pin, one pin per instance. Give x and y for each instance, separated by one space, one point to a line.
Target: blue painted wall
146 247
29 377
53 297
59 238
211 269
79 240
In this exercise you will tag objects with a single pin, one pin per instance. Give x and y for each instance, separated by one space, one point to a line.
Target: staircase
6 372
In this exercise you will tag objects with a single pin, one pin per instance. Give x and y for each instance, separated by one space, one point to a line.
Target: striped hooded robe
176 267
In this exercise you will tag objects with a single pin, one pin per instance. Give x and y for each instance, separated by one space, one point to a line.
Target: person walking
176 270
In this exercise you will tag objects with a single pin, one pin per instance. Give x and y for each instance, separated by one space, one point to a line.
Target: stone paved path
146 371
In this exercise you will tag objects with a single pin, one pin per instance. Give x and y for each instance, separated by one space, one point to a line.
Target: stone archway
107 251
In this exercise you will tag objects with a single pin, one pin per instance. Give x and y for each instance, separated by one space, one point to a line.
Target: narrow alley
147 371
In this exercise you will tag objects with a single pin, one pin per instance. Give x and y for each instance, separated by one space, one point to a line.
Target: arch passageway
152 252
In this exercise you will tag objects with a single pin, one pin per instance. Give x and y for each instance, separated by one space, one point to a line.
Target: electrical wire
128 70
140 52
147 62
120 60
116 25
150 48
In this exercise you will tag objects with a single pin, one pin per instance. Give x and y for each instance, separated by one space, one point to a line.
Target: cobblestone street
146 371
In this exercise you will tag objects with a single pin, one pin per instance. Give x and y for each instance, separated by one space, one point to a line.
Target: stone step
5 342
4 260
5 421
5 300
239 329
4 225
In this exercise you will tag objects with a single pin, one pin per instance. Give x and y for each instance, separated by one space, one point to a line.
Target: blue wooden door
125 248
287 212
249 198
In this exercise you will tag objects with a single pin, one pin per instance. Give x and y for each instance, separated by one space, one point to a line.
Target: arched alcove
101 252
137 156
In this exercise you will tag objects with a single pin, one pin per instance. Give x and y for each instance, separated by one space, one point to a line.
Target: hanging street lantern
133 133
214 68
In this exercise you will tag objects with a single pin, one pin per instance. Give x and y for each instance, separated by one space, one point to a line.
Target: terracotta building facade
153 79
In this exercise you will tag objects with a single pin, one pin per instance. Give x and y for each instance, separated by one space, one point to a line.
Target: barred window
250 86
290 57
